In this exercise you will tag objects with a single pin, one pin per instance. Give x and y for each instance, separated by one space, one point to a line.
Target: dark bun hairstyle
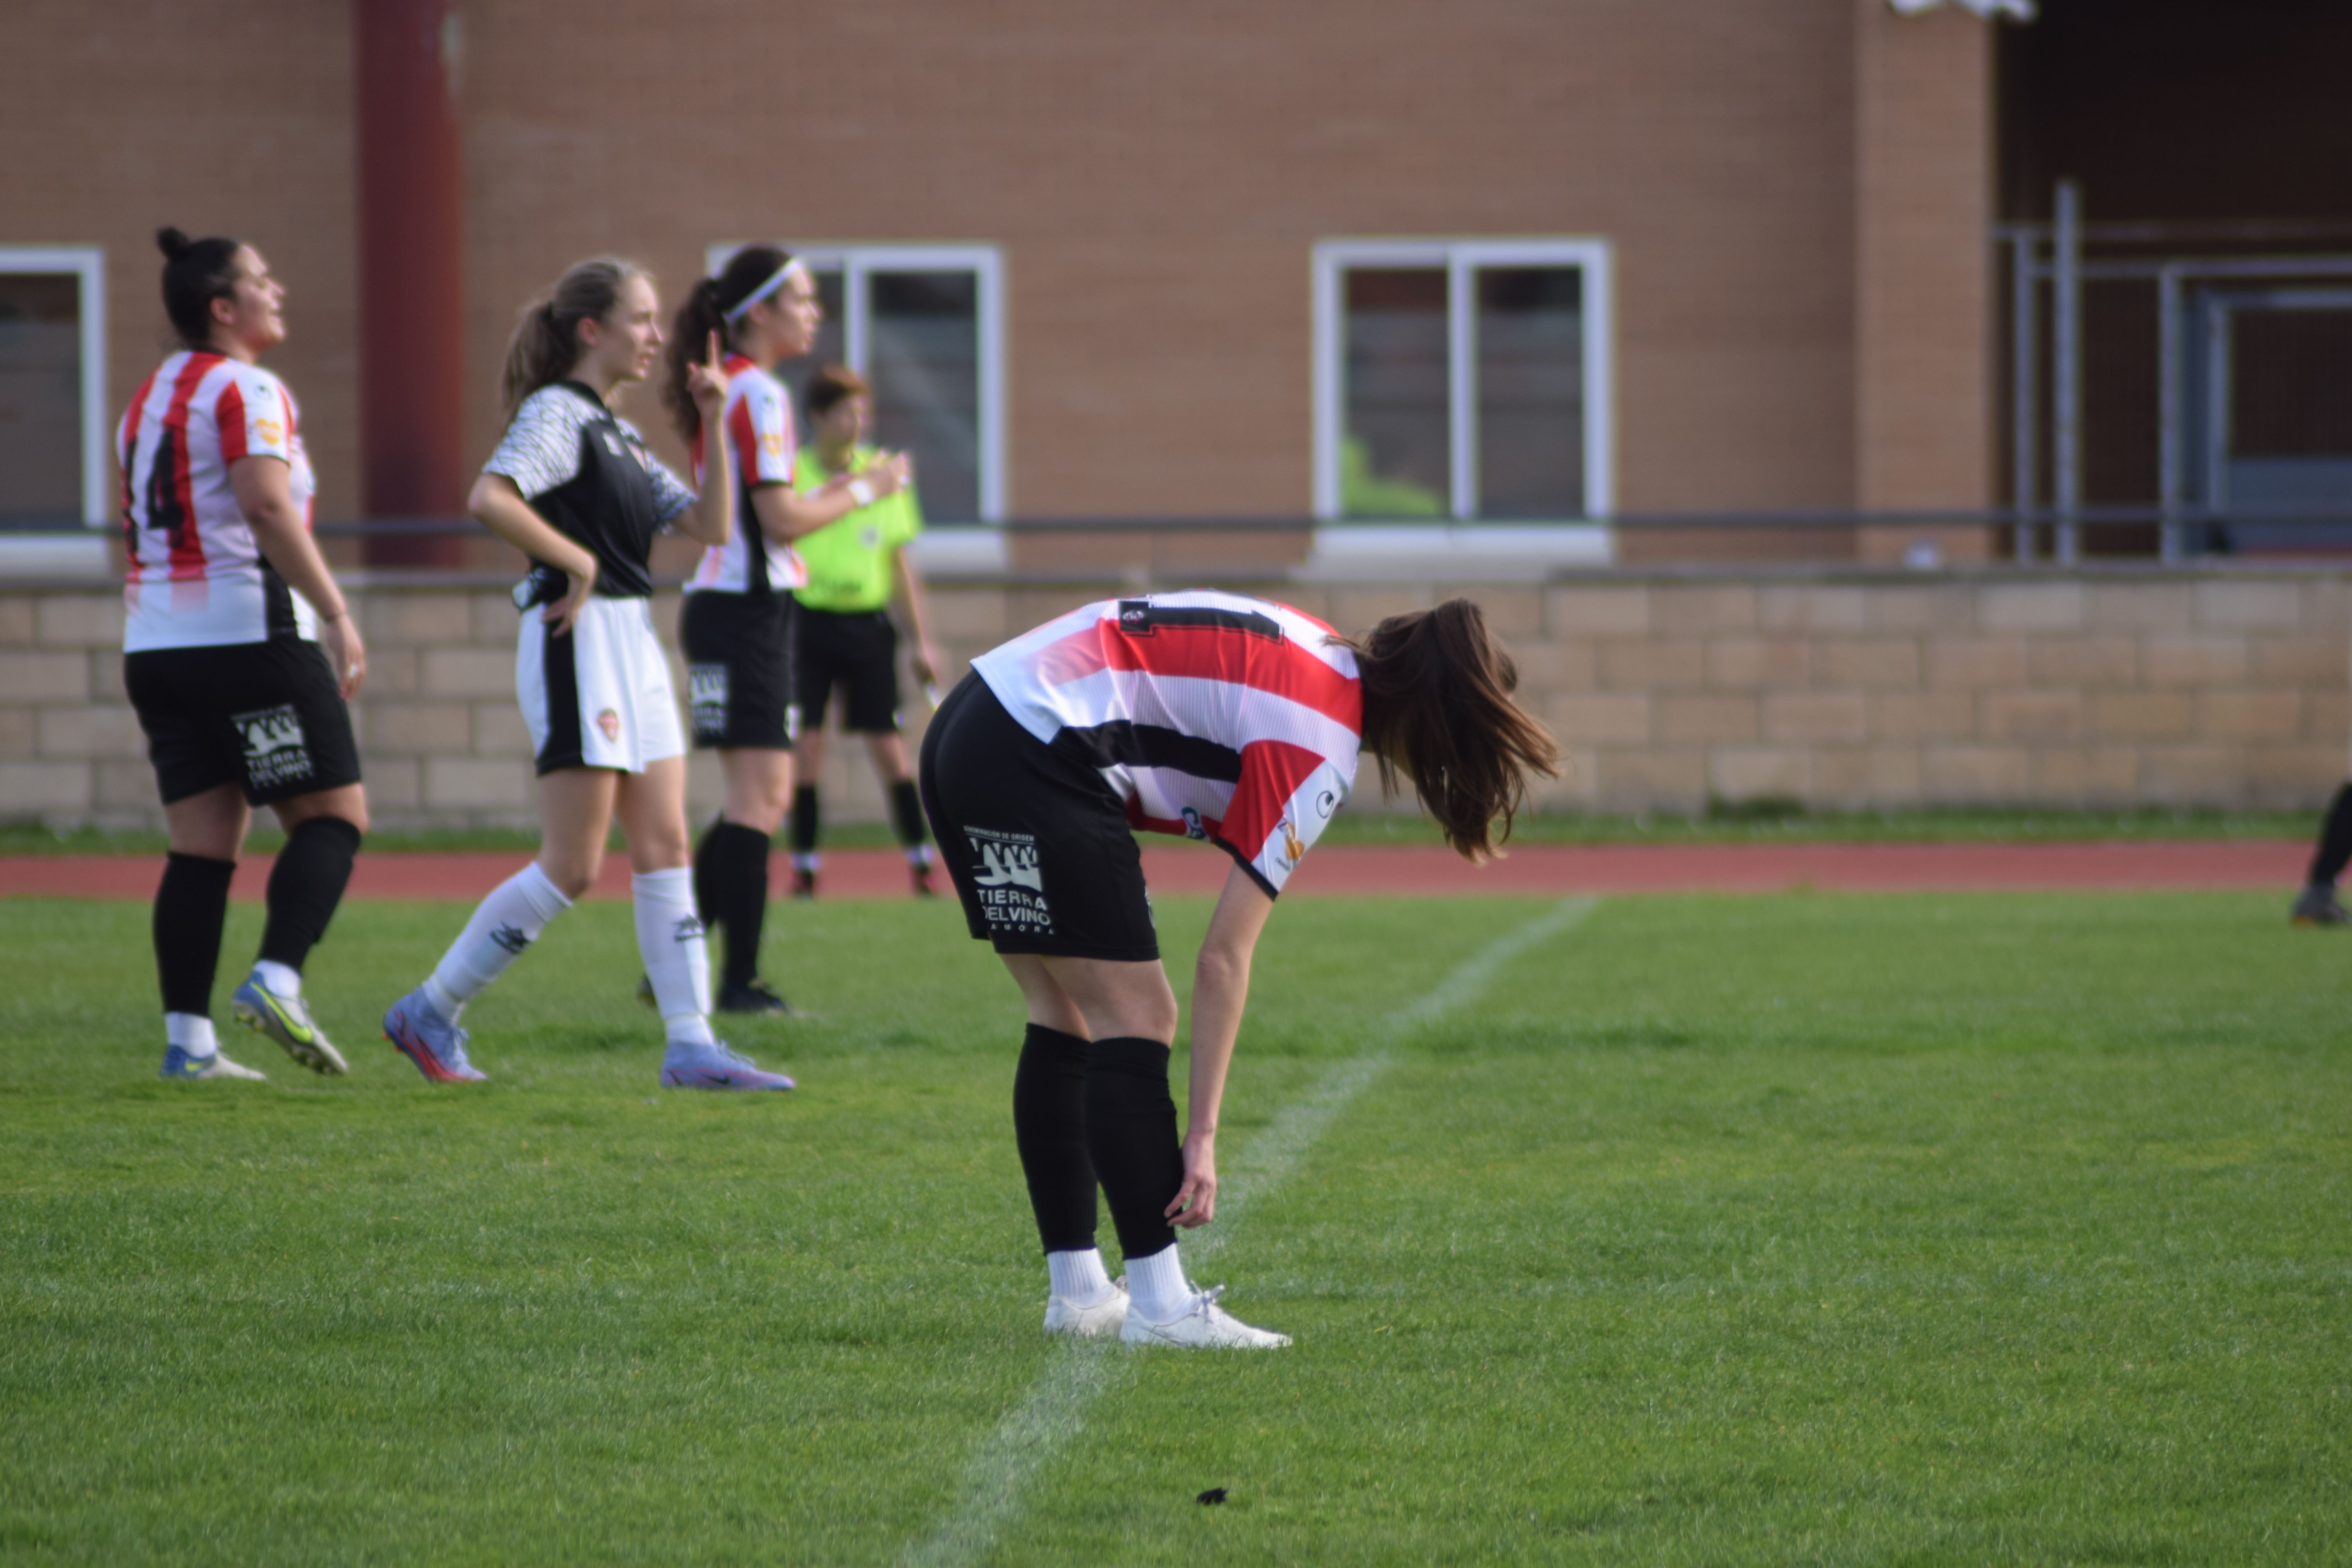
195 273
703 312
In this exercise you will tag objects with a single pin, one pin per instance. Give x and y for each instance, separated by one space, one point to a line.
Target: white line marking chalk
1078 1373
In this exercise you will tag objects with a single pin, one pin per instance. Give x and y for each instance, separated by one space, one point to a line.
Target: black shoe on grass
754 997
2317 906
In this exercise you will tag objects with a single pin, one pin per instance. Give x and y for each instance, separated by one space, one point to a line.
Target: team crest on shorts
1011 883
276 749
1292 851
706 697
609 721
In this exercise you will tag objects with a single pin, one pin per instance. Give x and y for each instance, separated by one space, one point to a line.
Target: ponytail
195 273
546 341
699 316
1437 707
707 307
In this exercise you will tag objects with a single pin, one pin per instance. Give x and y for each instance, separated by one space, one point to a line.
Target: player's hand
707 384
927 665
1196 1200
890 473
346 655
564 613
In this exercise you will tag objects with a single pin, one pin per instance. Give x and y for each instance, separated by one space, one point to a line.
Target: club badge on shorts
609 721
275 751
1010 884
706 696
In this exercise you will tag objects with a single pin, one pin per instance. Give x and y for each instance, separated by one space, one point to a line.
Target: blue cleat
178 1063
437 1045
716 1066
286 1020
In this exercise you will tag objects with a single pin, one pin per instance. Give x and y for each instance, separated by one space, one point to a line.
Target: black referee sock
2335 840
804 822
730 890
906 811
1132 1137
305 886
190 907
1049 1124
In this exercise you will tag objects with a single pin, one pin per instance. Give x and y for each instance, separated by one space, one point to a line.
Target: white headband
764 289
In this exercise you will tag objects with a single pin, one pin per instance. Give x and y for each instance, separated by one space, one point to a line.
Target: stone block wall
2223 688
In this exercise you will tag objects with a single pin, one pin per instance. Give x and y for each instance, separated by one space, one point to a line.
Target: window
53 459
925 324
1462 380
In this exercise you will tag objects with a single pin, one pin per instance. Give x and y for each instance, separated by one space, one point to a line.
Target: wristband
861 492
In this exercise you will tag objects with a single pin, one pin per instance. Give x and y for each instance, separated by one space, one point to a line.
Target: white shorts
600 698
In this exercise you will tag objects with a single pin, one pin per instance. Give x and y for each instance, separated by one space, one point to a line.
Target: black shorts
857 651
738 669
1038 846
264 715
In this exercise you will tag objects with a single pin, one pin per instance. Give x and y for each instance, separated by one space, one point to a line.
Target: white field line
1079 1372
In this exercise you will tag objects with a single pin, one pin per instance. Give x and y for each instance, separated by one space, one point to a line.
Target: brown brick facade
1794 190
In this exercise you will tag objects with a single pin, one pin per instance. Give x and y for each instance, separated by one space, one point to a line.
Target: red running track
1355 872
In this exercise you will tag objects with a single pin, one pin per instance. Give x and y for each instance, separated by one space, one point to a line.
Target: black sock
1049 1124
190 907
730 890
906 811
305 886
2335 839
805 820
1132 1137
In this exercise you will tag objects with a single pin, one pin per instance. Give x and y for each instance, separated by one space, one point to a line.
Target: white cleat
1205 1326
1100 1321
178 1063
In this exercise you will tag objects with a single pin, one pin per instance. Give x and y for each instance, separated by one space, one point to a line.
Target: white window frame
1460 259
855 262
88 263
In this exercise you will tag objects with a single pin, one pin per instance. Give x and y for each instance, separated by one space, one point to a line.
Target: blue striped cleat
286 1020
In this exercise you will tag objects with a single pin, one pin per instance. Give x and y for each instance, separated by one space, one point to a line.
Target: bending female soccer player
238 655
737 624
573 488
1217 717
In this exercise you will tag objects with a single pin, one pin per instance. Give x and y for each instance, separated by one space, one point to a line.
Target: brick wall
1855 691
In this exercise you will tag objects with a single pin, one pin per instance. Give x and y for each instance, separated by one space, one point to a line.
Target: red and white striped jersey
758 418
196 579
1212 715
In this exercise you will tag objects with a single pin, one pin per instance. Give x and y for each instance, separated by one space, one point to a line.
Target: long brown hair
546 341
1438 707
703 312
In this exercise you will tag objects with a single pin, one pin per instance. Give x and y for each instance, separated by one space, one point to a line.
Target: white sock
509 920
1157 1287
191 1032
919 854
279 980
1078 1277
804 860
670 938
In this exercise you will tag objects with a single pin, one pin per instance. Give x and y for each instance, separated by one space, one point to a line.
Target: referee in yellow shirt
843 634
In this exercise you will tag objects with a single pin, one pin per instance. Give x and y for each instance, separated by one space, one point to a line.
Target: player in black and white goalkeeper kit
574 487
238 655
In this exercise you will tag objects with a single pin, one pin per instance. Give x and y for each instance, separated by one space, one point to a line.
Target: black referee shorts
738 669
857 651
264 715
1037 844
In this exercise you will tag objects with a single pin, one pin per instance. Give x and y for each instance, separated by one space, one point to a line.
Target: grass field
1763 822
1805 1228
